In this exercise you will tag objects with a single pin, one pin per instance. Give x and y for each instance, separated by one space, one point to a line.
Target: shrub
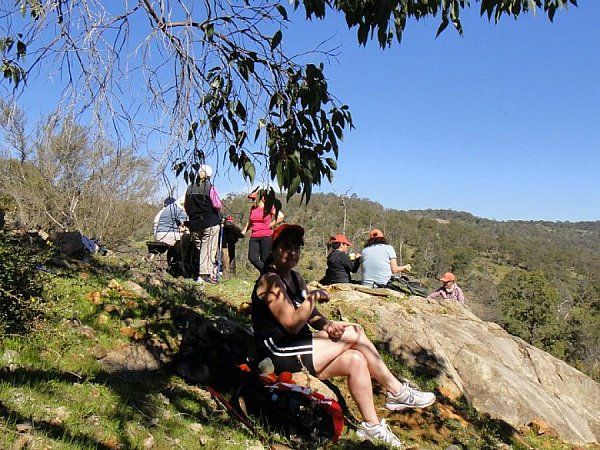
21 303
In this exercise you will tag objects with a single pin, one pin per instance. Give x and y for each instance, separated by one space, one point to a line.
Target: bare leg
352 363
325 351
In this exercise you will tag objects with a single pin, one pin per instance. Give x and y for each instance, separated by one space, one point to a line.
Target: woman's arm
277 219
396 268
435 294
246 227
272 290
317 320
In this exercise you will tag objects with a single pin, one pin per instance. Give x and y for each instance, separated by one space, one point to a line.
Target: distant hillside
485 255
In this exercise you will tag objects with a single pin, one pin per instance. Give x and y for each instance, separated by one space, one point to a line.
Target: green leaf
294 185
331 163
209 30
249 171
279 172
282 11
240 110
276 39
192 130
442 27
21 49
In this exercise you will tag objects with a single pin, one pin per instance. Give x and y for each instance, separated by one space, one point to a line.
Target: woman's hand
318 295
335 330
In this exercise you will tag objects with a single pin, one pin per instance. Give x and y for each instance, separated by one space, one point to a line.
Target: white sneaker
379 433
409 397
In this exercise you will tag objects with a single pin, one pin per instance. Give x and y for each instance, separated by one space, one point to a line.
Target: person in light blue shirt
168 222
378 260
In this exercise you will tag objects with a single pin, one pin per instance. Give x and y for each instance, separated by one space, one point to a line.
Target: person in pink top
449 290
261 227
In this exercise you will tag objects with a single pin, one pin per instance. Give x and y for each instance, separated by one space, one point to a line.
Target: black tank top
264 323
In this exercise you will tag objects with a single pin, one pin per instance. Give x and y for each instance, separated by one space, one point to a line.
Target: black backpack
407 285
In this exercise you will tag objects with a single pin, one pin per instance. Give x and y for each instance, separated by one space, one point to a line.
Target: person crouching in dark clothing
339 263
231 234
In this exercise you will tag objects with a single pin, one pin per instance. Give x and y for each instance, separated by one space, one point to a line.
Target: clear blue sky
503 122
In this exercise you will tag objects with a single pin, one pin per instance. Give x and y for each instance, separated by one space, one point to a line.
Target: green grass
53 389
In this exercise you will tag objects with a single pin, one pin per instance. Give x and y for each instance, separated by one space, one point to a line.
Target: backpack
306 417
407 285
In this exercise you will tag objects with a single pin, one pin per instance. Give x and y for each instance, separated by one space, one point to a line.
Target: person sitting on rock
283 313
449 290
339 263
378 260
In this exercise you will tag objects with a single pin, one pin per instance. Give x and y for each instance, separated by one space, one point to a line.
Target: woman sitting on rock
283 310
378 260
339 263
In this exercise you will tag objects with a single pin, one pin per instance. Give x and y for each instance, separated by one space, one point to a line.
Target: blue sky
502 123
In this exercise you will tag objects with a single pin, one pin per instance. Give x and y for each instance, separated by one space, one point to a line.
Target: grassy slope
54 393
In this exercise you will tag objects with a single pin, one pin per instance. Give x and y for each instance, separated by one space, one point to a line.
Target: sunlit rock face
499 374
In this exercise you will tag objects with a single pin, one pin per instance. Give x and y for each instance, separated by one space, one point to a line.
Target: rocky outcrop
499 374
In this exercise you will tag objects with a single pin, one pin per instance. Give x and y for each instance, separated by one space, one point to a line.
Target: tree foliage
529 305
216 70
21 301
65 178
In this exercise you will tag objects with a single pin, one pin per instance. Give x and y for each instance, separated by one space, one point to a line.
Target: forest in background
540 280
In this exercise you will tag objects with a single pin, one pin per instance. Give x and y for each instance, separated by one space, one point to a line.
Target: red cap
341 239
229 218
287 228
448 276
375 233
253 195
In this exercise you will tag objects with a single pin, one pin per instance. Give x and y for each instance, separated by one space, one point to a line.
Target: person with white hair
169 221
202 205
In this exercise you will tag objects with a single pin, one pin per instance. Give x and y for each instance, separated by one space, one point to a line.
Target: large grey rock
499 374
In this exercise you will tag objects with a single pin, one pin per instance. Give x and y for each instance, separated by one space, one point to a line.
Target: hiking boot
379 433
409 397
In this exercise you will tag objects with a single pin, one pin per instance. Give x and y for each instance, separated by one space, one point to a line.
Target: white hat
205 170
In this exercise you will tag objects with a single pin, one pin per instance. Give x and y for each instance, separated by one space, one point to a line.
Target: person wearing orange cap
339 263
379 261
283 313
260 224
449 290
